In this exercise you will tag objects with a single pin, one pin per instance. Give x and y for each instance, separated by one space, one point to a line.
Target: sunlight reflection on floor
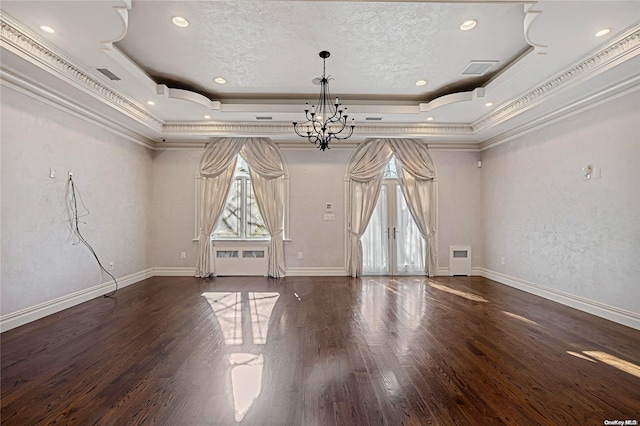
521 318
464 294
246 381
611 360
245 367
614 361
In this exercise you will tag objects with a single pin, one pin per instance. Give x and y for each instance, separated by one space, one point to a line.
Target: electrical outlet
183 255
111 266
52 172
502 260
299 255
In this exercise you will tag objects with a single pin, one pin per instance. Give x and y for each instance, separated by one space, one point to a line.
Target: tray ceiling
543 58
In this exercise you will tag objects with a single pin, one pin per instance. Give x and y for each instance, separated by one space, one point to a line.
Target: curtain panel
267 172
266 169
416 172
365 174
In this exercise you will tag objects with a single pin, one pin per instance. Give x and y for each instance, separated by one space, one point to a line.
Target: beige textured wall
553 227
173 213
315 178
458 204
39 262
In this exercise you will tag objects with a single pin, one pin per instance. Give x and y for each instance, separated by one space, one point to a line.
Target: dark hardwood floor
322 350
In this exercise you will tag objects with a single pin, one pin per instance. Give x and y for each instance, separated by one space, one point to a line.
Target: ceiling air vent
478 67
264 118
108 74
373 119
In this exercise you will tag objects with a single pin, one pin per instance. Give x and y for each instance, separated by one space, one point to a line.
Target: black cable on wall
73 197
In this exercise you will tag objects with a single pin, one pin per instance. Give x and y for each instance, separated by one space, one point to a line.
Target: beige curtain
267 173
416 173
216 167
365 173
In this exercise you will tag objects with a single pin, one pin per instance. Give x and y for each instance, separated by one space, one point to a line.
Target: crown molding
17 81
19 41
630 85
251 129
626 45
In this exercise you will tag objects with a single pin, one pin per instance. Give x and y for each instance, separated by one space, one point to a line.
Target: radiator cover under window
242 259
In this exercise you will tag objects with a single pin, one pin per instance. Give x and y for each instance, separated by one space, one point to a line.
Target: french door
392 244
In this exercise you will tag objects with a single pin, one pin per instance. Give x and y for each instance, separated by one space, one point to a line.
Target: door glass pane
255 223
230 219
410 245
375 243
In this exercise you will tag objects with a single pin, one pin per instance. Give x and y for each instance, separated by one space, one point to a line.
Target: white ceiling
547 60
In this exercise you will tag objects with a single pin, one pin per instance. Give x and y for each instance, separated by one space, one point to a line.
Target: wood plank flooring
320 351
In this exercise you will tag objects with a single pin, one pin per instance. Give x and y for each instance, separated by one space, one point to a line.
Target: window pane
242 169
390 171
255 224
230 219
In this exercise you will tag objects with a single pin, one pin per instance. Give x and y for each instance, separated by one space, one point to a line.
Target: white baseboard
32 313
316 272
621 316
174 271
443 272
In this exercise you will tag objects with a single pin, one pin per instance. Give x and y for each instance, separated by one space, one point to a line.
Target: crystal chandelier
327 120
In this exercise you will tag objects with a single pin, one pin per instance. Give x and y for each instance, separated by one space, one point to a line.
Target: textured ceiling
271 48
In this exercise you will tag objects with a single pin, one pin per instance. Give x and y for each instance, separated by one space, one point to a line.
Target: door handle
394 233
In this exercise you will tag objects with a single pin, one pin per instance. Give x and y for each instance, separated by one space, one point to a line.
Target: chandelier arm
347 136
295 127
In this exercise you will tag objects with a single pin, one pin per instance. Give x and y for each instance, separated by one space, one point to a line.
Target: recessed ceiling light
468 25
179 21
429 118
603 32
421 82
47 29
220 80
151 103
207 116
488 104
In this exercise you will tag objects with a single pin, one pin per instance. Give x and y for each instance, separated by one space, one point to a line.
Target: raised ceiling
544 60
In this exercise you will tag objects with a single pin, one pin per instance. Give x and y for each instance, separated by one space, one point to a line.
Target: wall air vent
373 119
264 118
108 74
478 67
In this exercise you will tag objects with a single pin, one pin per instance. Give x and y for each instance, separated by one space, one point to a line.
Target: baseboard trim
32 313
177 271
620 316
315 272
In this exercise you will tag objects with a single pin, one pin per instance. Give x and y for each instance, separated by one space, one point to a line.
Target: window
240 218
